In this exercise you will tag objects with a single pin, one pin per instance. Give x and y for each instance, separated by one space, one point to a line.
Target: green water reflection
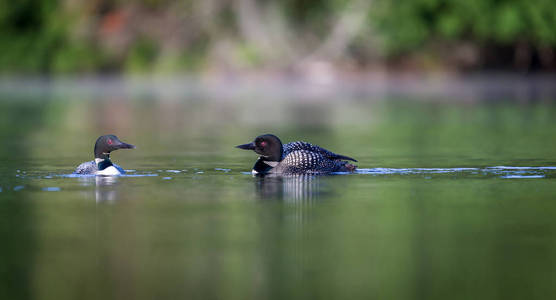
200 228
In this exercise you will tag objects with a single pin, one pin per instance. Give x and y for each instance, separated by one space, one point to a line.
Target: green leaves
407 24
44 36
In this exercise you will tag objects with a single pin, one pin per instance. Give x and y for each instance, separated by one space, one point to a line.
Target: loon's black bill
250 146
126 146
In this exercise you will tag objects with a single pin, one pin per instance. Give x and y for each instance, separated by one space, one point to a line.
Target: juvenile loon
294 158
102 165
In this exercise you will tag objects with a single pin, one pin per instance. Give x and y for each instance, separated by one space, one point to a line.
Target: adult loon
102 165
294 158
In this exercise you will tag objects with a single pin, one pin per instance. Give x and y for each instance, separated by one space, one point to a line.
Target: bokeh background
307 36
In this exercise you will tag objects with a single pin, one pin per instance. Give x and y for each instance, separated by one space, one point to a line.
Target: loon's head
268 146
108 143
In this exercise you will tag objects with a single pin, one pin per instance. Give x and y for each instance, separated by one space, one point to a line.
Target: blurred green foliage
60 36
409 24
36 37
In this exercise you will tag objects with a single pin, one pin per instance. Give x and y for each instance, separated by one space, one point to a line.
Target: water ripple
508 172
523 176
505 172
93 175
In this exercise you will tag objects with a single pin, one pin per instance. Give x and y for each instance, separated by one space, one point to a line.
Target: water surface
453 199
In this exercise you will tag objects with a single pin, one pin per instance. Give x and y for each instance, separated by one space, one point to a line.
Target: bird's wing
294 146
89 167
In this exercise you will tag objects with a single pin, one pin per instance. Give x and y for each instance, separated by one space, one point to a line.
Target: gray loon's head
268 146
108 143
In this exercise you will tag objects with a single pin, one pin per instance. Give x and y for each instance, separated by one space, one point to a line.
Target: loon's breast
110 171
91 168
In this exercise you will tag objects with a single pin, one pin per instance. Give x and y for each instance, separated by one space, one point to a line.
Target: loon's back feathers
310 162
89 167
299 145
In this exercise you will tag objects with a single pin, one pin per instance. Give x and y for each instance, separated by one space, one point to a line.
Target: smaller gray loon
294 158
102 165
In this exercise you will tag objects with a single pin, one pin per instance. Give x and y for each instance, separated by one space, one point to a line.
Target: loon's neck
263 166
103 163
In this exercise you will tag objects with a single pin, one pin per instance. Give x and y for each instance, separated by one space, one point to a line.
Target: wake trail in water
497 171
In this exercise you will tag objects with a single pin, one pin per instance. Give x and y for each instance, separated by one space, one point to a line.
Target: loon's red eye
109 141
263 144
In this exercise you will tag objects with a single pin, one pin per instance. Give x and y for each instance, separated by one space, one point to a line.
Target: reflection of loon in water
296 189
289 213
106 187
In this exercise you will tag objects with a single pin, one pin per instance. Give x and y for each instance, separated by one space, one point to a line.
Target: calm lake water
455 197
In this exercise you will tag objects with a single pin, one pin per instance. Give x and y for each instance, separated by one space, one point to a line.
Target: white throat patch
271 163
